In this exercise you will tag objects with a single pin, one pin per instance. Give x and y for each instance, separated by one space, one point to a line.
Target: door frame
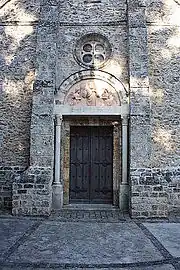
65 160
64 107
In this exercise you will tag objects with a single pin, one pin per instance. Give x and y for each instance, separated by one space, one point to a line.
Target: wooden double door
91 164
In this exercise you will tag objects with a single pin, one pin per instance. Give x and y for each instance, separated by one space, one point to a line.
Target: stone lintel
91 110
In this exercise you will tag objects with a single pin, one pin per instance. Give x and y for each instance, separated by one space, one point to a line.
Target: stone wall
38 45
164 76
155 178
18 63
17 60
6 179
154 191
32 192
37 41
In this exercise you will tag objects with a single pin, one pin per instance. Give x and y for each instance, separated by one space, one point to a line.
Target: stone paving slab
88 240
154 267
10 231
168 234
86 243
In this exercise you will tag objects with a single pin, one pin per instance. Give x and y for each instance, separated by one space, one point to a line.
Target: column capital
115 123
59 119
124 119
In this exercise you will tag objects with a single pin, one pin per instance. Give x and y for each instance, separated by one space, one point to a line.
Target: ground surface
74 239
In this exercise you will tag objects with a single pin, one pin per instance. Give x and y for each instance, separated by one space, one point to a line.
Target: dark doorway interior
91 164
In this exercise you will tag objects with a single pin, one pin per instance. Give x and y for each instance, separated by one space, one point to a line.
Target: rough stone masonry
41 44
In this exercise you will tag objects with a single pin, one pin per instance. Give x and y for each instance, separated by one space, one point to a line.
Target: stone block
57 196
105 12
140 142
42 145
25 178
140 101
50 2
47 32
137 17
49 13
46 53
42 124
44 161
138 61
133 4
28 186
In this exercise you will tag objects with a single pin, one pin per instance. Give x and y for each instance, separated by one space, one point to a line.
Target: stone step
89 215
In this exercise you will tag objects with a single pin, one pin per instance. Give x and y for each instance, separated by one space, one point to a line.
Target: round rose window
92 50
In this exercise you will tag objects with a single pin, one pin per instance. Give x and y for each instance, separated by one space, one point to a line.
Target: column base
57 196
124 197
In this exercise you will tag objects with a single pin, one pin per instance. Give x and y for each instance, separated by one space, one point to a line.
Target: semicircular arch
105 89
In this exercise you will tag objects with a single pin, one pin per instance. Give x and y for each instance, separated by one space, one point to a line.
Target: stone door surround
65 149
92 94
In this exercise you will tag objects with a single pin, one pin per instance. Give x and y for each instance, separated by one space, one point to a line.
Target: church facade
90 105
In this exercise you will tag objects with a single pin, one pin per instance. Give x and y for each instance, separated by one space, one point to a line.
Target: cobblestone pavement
89 239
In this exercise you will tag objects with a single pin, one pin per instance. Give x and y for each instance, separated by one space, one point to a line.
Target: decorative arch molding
74 90
90 93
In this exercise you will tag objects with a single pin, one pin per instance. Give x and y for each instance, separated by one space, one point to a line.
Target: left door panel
79 165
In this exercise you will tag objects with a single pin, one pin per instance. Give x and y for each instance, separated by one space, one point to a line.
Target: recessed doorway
91 164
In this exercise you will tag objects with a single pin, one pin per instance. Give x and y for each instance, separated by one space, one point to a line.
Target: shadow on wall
17 72
18 56
164 75
18 31
18 41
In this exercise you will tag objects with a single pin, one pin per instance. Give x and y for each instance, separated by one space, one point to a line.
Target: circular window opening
87 58
99 48
87 47
93 50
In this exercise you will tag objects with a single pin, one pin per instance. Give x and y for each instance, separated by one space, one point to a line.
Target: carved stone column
124 185
57 196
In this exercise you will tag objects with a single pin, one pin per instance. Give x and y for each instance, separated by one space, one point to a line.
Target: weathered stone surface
7 175
138 61
19 11
140 141
37 43
46 60
42 147
93 239
140 101
153 191
67 39
12 231
74 12
163 12
34 195
164 70
17 76
168 235
87 243
137 17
